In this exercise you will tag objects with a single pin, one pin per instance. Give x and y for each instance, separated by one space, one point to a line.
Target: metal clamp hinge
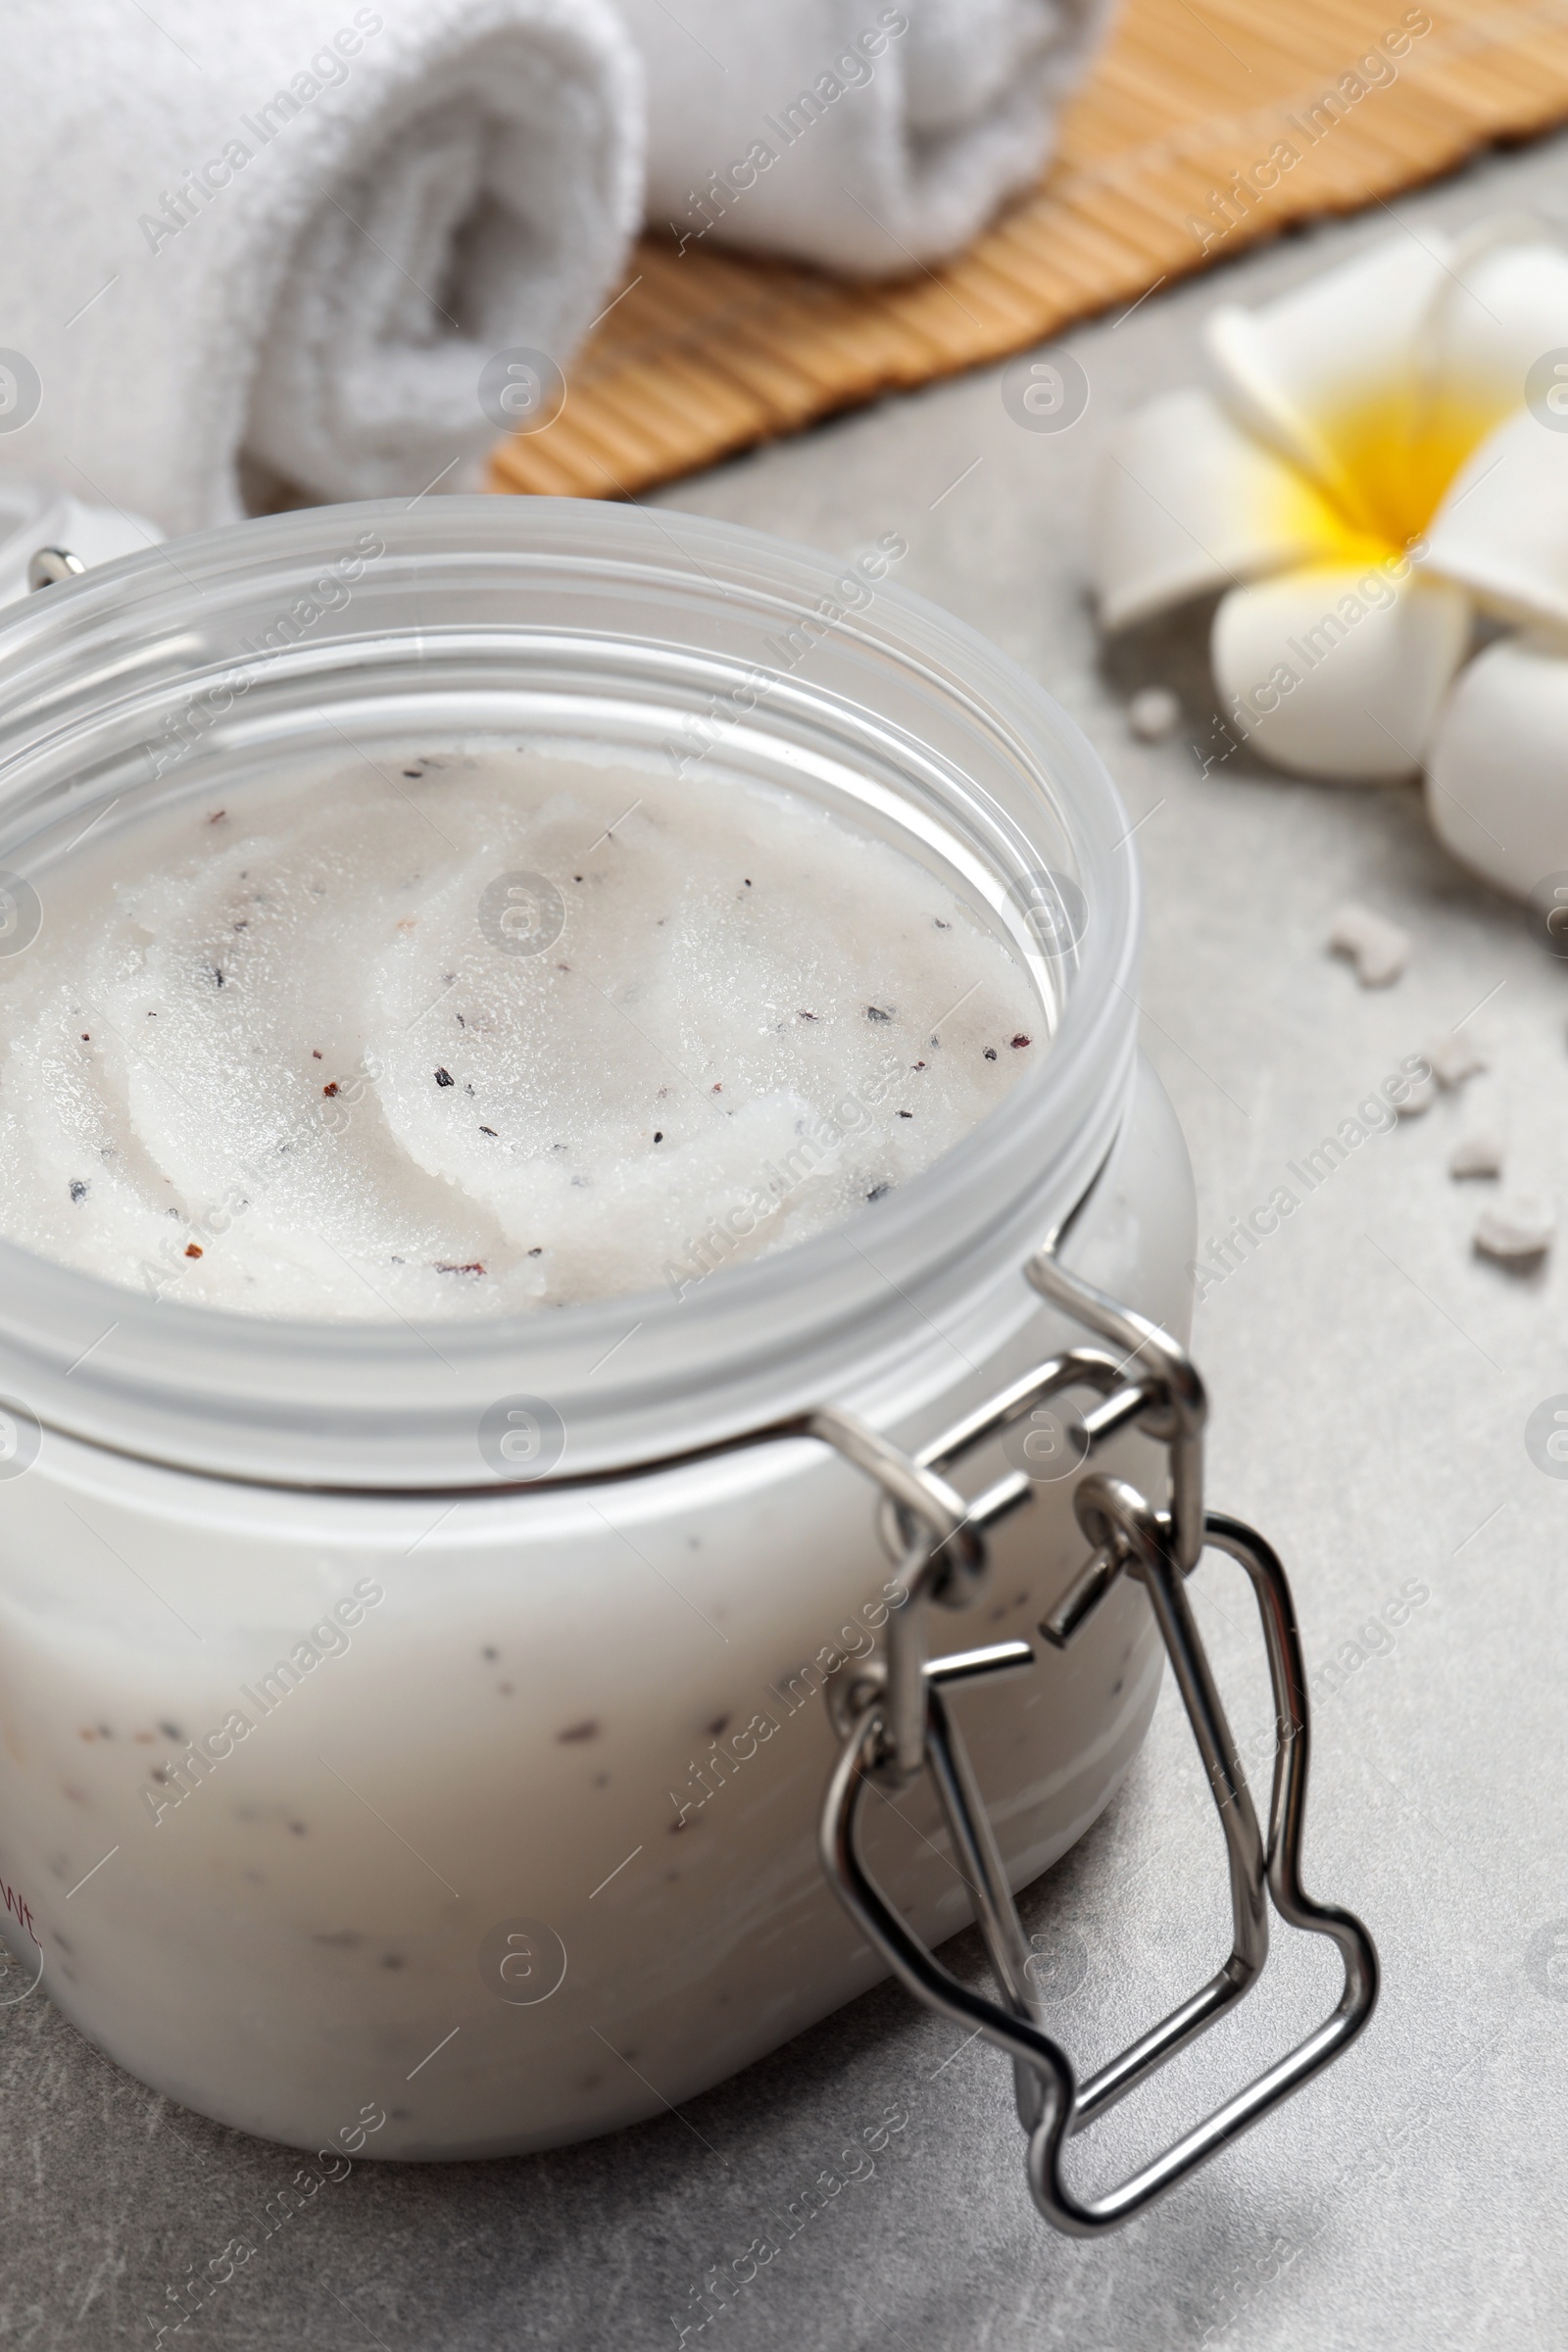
894 1723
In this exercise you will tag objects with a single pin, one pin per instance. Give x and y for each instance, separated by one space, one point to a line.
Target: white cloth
859 135
299 231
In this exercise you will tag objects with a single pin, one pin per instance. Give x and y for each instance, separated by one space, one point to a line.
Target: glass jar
426 1724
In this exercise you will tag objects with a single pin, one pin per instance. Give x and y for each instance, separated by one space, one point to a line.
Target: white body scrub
485 1032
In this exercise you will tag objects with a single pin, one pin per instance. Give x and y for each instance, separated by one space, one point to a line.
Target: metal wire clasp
894 1723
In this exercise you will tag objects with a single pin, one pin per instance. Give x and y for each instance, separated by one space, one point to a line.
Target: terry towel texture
859 135
299 231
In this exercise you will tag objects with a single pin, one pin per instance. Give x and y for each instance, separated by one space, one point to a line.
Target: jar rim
388 1406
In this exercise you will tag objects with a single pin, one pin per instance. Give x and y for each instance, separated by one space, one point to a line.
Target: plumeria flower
1378 465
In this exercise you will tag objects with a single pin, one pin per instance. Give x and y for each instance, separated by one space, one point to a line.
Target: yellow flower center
1397 454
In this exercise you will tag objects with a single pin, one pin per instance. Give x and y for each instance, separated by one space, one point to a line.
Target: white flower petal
1497 773
1338 669
1331 375
1503 307
1502 531
1186 504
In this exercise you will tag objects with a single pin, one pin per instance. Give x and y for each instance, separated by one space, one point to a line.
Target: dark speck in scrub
1020 1039
331 1088
720 1723
877 1191
78 1189
991 1052
906 1114
587 1729
539 1253
658 1135
487 1131
444 1077
804 1015
193 1249
878 1013
940 924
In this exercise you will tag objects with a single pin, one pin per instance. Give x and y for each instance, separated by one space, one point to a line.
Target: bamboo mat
705 353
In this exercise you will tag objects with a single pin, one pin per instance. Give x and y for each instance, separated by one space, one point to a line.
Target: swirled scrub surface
473 1032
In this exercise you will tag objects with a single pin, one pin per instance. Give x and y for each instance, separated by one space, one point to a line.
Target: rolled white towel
862 136
297 232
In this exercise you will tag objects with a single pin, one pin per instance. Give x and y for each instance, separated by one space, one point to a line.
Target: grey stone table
1372 1379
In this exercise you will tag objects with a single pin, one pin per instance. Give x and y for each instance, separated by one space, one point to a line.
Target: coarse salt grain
1154 714
1521 1225
1477 1155
1453 1059
1378 949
